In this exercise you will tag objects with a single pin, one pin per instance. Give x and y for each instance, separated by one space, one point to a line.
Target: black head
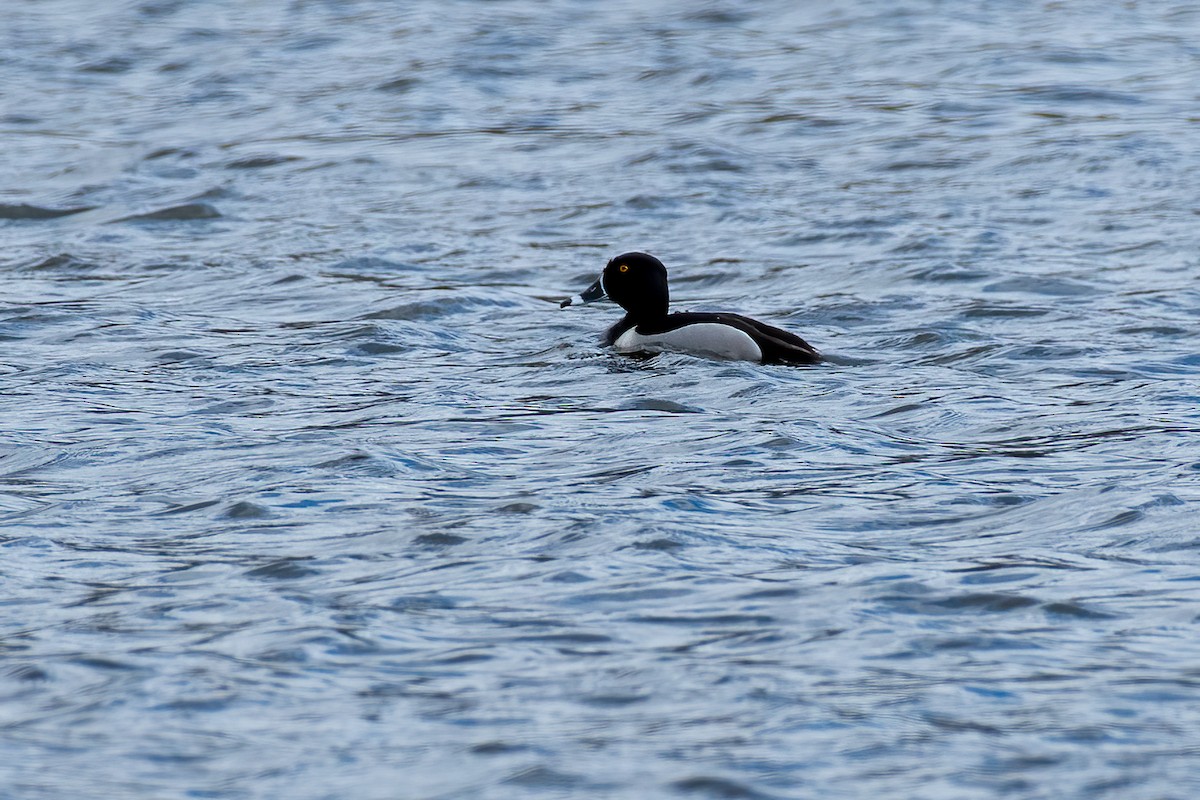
637 282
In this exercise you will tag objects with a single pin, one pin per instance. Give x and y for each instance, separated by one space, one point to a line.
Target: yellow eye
624 268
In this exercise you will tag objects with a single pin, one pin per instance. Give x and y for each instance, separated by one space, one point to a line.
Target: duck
637 282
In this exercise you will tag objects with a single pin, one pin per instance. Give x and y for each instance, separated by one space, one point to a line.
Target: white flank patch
702 338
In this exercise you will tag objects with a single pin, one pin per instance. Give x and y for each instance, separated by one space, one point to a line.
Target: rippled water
308 488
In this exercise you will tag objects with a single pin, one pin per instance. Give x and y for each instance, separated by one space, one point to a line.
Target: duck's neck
644 320
648 310
649 303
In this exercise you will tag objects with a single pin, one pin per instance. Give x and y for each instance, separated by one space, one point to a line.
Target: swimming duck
637 282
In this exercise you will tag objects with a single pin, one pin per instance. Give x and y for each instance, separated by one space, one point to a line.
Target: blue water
308 488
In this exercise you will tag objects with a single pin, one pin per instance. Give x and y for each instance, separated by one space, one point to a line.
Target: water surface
309 489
